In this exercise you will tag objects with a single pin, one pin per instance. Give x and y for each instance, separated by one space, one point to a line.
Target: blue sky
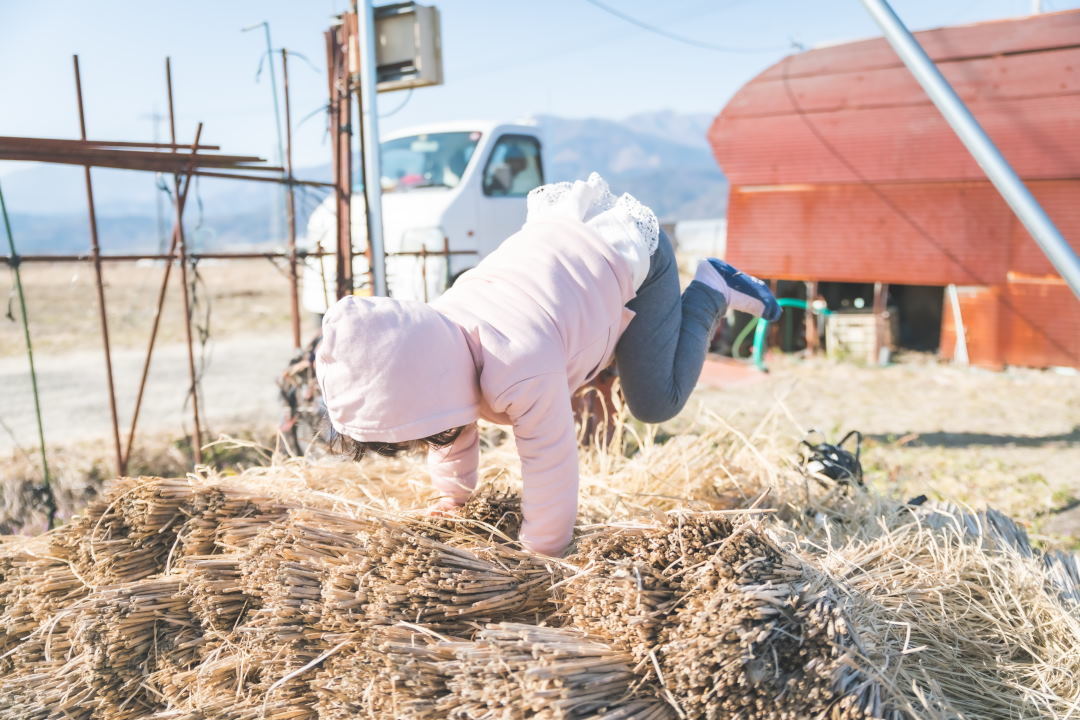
503 59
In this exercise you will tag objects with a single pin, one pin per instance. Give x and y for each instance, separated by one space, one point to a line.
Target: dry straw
709 580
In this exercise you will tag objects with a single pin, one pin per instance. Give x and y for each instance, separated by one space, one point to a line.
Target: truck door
513 169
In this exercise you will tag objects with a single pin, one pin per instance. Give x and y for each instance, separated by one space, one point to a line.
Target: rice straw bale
407 576
119 636
982 627
301 591
522 671
394 672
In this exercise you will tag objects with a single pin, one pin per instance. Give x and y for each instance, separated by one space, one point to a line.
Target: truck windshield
426 161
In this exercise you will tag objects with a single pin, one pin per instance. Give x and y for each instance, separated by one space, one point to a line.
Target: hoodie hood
394 370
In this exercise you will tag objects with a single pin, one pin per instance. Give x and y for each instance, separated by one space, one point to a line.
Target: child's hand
444 507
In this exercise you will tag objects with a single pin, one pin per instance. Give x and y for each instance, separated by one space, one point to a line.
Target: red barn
842 170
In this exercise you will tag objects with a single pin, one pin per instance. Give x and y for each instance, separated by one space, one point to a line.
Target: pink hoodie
509 343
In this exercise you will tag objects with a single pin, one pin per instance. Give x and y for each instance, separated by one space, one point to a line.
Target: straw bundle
34 585
134 533
407 576
980 625
394 673
730 623
631 576
305 591
508 671
525 671
118 637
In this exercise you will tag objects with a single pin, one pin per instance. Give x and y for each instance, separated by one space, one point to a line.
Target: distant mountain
661 158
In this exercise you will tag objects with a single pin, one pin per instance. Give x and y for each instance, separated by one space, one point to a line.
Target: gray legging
660 354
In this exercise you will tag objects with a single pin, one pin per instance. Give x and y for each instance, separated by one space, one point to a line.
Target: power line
680 38
398 109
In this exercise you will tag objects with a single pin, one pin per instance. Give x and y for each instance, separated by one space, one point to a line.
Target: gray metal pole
967 128
369 121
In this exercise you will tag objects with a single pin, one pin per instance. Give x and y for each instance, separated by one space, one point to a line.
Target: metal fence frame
135 155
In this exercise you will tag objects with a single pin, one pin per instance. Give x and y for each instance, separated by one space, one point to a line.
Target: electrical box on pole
390 47
408 47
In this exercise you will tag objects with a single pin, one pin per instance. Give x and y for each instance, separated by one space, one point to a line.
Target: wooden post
812 344
881 319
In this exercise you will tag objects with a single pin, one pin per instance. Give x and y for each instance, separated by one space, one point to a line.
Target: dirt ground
1007 439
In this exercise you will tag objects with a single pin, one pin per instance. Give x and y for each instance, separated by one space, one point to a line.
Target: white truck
460 186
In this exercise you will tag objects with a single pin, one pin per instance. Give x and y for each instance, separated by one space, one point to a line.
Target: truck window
514 167
425 161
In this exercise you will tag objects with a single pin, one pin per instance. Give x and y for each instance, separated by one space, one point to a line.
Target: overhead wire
902 214
399 107
677 37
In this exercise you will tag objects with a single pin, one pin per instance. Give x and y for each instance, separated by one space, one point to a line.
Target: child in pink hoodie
589 277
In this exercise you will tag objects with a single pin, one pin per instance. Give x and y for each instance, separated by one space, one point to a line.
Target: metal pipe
256 178
354 34
65 144
50 496
300 254
369 123
341 137
181 200
127 160
290 207
95 253
986 154
196 444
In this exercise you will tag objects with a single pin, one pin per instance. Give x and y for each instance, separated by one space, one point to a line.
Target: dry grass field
232 297
1010 440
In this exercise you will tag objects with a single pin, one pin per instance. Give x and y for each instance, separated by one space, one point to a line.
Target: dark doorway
917 307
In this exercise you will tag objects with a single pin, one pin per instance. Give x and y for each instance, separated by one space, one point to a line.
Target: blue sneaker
743 292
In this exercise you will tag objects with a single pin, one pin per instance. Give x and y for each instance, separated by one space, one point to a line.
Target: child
587 278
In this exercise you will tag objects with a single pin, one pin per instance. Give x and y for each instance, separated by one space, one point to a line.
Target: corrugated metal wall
841 169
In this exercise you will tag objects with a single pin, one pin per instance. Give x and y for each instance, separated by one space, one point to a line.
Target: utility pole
369 124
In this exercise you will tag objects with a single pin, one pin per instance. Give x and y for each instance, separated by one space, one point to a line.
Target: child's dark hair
355 449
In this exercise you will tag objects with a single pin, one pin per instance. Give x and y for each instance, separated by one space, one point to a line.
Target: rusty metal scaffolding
184 161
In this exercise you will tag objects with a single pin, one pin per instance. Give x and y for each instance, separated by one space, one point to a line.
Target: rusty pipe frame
196 444
290 207
181 200
300 254
257 178
341 139
67 145
95 251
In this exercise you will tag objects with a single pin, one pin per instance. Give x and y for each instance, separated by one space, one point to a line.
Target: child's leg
661 353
